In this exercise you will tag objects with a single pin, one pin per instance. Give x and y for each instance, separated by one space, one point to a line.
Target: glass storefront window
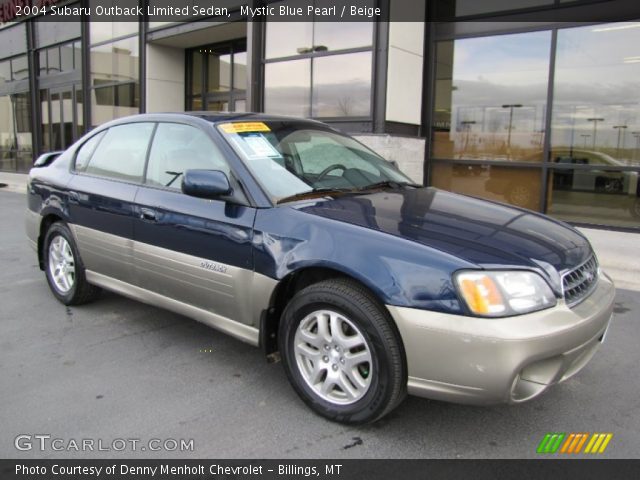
595 196
330 80
240 106
596 101
13 38
53 61
516 186
464 8
196 72
20 68
491 97
104 31
116 62
196 103
218 78
77 55
79 112
66 58
342 85
240 71
342 35
45 117
16 142
287 88
115 78
48 32
5 71
287 39
297 38
596 125
490 109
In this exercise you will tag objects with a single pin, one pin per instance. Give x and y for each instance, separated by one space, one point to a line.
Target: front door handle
148 214
73 197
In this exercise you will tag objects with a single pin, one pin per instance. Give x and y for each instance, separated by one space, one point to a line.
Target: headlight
504 293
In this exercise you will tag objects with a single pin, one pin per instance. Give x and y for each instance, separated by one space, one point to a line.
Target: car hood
478 231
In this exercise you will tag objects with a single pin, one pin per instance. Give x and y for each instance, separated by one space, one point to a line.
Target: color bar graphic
598 443
550 442
574 442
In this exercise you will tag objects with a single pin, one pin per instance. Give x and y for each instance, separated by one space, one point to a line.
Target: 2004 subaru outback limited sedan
292 236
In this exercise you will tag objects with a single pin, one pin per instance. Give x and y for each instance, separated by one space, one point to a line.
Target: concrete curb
16 182
618 254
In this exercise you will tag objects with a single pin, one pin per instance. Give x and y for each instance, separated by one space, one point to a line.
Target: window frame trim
72 163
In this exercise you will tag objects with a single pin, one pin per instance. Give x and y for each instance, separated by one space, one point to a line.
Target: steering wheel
330 168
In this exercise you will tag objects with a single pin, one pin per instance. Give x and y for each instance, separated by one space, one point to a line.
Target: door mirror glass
206 184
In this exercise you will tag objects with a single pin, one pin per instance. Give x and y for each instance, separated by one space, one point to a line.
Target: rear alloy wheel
62 265
64 269
342 353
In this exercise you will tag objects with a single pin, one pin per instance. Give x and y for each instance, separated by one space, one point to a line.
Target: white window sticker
256 146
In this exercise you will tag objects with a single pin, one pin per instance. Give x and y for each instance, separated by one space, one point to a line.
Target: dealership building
535 103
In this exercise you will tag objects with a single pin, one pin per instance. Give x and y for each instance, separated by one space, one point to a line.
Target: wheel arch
48 219
292 283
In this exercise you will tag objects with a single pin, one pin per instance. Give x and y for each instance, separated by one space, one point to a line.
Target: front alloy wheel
342 352
333 357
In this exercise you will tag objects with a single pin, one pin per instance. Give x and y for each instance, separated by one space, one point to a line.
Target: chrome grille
578 283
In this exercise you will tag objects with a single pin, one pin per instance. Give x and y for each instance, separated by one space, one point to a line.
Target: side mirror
46 158
205 184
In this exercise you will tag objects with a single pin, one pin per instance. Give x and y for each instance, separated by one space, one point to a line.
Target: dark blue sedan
291 236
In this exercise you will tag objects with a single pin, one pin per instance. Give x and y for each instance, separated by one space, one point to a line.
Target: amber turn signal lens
481 294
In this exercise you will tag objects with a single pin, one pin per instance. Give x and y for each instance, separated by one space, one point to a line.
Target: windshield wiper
389 183
312 192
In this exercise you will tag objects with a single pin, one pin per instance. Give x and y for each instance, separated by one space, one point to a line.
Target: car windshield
291 158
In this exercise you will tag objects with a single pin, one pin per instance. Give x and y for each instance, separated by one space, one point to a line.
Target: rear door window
121 153
86 150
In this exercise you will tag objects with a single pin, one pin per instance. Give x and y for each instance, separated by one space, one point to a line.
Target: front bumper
485 361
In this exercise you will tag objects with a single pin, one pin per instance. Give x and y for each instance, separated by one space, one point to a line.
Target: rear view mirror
205 184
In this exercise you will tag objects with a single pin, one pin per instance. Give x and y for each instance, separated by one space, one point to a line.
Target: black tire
80 291
388 372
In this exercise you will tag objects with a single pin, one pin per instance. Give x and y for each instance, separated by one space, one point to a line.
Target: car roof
214 117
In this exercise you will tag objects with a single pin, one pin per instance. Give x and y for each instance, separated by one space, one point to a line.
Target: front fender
399 272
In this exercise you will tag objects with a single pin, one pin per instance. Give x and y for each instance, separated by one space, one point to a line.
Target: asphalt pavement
119 369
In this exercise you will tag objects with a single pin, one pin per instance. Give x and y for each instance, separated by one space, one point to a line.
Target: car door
192 250
107 171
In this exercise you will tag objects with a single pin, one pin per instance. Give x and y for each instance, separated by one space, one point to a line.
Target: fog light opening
523 390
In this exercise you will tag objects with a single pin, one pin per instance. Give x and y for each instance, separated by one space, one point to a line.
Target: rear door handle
148 214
